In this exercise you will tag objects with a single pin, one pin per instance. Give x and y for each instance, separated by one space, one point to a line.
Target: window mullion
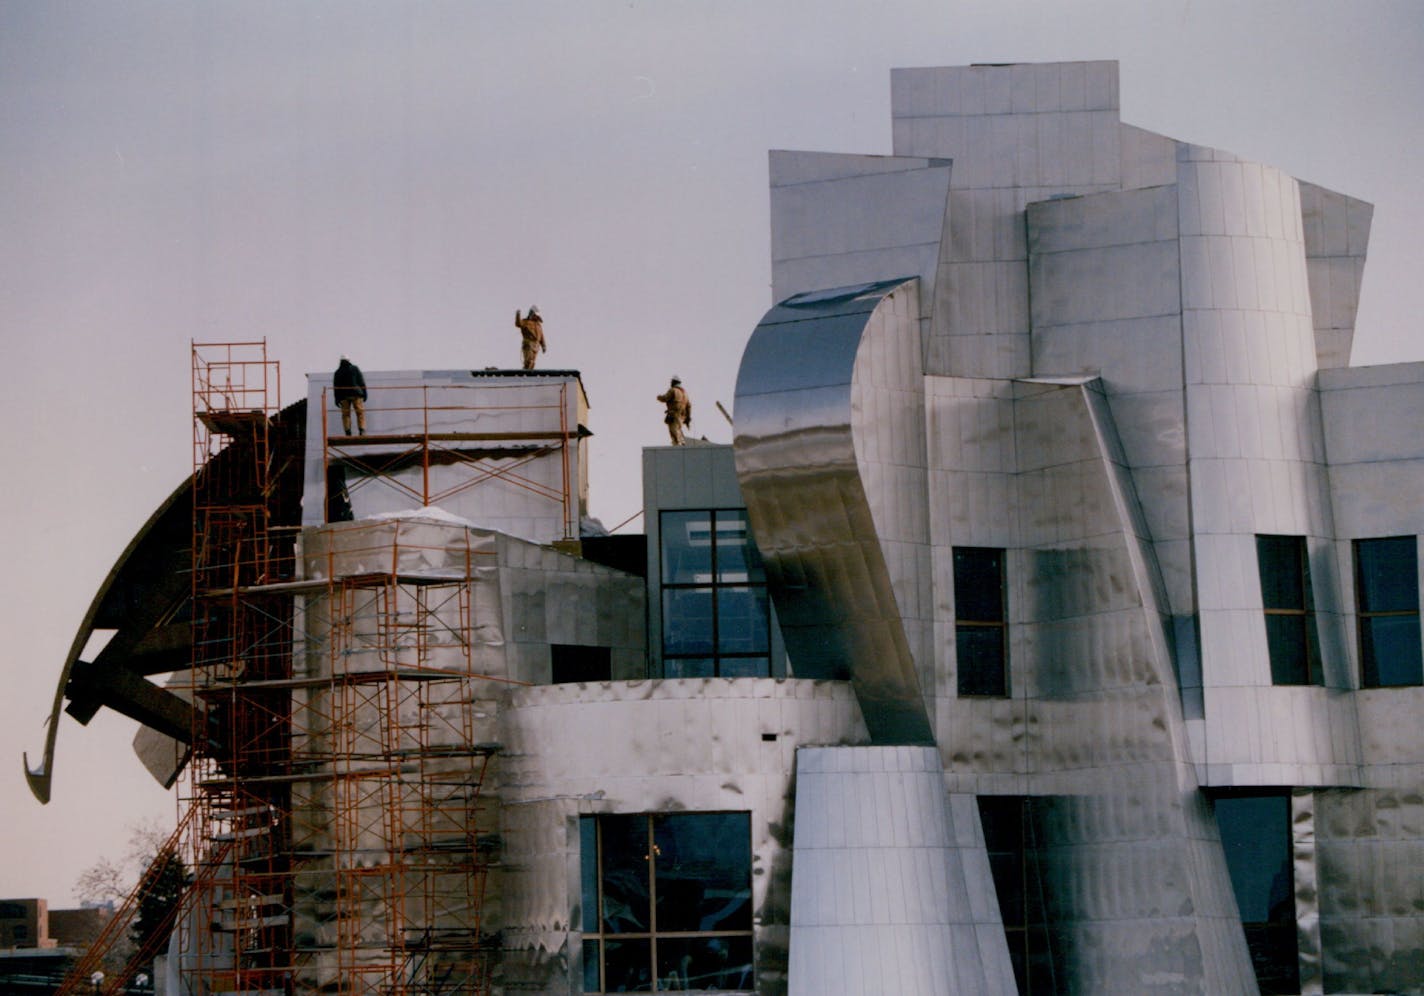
716 582
653 887
598 912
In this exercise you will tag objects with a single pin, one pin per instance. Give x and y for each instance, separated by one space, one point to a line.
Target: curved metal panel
797 452
154 540
142 599
875 823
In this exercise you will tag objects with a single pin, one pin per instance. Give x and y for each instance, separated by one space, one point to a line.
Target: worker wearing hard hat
679 410
531 331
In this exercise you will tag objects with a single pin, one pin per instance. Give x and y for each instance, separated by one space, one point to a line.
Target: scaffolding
397 899
431 442
335 771
81 975
237 936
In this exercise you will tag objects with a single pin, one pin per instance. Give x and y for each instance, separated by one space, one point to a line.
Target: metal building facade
1127 375
1089 657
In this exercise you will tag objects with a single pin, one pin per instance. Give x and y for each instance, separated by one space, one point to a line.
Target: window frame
715 587
965 624
593 912
1290 672
1369 664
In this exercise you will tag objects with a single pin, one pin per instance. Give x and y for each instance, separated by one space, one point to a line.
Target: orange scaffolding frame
408 869
125 918
237 934
332 820
486 456
337 841
407 837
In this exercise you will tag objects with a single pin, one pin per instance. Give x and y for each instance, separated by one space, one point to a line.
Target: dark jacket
348 382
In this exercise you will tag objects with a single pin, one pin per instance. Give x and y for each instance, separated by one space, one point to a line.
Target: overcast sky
392 180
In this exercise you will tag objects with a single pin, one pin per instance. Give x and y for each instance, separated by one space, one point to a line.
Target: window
1009 838
667 902
1291 638
1255 834
979 621
573 663
716 617
1387 593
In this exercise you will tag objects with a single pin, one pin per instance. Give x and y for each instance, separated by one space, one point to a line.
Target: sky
392 180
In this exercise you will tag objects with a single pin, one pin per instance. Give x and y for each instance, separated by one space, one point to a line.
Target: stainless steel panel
796 452
1371 901
883 896
649 746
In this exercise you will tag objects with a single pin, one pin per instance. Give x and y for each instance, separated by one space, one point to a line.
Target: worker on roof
531 331
349 390
679 410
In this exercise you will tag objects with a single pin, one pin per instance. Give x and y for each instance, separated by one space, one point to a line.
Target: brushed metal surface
799 448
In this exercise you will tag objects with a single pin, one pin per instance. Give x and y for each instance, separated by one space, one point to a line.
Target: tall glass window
667 902
1013 862
980 630
1387 597
1255 833
1291 637
716 617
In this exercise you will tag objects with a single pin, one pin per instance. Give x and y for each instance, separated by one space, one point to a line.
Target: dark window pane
628 966
705 964
591 958
742 621
687 621
1255 836
714 597
1008 837
625 875
1275 957
1387 581
687 547
689 667
1286 643
1388 574
1041 979
1391 649
979 584
745 667
1290 620
1002 818
698 865
980 651
588 872
737 557
702 866
577 663
1281 560
1007 871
